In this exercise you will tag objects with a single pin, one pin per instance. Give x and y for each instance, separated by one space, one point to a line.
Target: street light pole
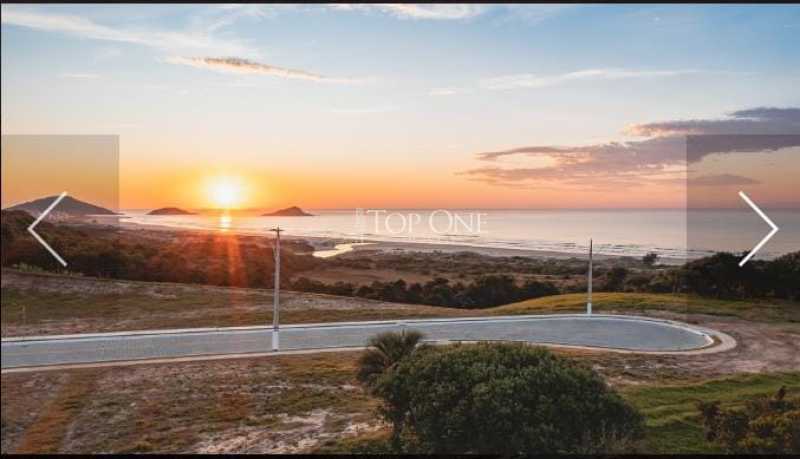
589 300
276 290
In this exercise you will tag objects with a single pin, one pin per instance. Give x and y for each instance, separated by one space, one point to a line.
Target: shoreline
328 245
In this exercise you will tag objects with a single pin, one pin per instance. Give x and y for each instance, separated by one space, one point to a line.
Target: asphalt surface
617 332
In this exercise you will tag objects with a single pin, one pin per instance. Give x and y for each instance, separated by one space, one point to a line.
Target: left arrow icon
40 218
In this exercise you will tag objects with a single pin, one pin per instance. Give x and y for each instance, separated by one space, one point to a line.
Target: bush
650 259
764 426
504 399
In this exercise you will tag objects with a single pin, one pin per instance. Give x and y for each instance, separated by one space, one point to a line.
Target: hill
170 211
293 211
68 206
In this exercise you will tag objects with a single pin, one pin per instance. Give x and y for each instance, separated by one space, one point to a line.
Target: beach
334 246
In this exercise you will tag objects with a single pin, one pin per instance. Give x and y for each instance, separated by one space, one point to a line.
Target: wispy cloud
531 14
662 157
760 120
419 11
79 76
447 91
721 180
362 111
534 14
247 67
218 17
173 41
529 80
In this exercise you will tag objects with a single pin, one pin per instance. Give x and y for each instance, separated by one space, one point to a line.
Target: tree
615 279
385 352
650 259
765 425
503 399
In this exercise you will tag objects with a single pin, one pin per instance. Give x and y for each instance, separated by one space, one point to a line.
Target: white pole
276 291
589 302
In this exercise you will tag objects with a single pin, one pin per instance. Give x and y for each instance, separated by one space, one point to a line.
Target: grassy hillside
44 303
757 310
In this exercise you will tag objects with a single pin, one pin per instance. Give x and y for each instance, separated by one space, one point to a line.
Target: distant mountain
288 212
170 211
68 206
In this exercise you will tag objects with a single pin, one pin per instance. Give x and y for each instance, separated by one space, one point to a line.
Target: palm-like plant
385 351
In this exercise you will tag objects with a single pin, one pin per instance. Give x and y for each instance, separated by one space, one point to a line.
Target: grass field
672 418
53 304
603 302
280 404
311 402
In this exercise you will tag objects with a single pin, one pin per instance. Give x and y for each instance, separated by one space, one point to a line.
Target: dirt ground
293 403
277 404
247 406
760 348
45 304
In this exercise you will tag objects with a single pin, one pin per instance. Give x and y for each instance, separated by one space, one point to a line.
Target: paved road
617 332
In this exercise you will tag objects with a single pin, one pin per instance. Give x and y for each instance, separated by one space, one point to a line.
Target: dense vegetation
497 399
215 259
461 279
766 425
485 291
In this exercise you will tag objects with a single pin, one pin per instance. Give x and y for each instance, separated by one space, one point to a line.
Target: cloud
174 41
528 80
699 146
532 81
447 91
247 67
419 11
362 111
615 162
221 16
661 158
761 120
721 180
531 14
79 76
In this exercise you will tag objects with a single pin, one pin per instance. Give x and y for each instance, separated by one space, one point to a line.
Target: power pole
276 290
589 301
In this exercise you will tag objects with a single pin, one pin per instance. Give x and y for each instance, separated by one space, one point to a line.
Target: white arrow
766 219
39 238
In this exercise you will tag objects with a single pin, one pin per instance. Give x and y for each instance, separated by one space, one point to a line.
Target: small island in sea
293 211
170 211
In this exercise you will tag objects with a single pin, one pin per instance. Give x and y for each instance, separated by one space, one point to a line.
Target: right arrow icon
766 219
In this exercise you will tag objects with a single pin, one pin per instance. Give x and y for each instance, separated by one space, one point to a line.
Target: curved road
603 331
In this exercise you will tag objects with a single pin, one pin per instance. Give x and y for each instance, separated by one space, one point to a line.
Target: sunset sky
459 106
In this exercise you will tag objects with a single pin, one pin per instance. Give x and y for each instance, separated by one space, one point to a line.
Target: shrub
615 278
650 259
385 352
503 399
764 426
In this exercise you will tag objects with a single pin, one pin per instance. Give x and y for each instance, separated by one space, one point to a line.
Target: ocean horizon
671 233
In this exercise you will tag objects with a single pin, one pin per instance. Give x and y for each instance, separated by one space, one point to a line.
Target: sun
225 192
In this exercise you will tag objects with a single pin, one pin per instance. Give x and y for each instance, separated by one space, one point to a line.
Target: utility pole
589 301
276 290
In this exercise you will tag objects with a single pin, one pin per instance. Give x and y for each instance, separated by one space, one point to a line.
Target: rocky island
293 211
170 211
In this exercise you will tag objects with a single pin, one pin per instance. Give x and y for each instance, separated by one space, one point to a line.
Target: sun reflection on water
225 222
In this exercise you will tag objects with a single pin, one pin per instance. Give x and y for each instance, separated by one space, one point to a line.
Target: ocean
673 234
